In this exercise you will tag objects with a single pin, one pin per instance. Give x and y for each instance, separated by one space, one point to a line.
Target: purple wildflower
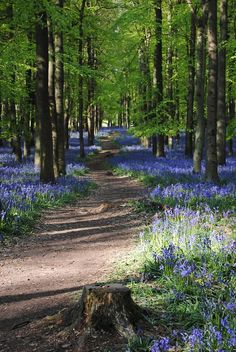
161 345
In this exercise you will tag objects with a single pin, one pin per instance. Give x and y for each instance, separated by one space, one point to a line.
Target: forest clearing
118 176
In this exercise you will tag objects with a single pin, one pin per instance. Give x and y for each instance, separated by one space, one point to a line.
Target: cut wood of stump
105 308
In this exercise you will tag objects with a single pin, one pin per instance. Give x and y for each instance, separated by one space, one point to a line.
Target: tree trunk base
104 308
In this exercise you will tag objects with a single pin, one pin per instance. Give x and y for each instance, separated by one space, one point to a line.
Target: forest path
72 246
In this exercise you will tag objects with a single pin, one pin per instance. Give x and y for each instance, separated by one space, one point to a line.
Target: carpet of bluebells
187 256
22 194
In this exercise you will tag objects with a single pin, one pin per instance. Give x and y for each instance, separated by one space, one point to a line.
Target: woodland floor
71 247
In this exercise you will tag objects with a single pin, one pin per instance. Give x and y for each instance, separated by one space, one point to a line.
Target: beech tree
211 154
200 88
42 102
80 83
158 144
191 82
221 86
119 62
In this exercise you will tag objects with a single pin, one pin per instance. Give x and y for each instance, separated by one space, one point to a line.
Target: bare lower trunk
221 103
190 101
211 155
231 117
80 85
160 145
51 96
91 92
170 72
200 90
59 96
43 115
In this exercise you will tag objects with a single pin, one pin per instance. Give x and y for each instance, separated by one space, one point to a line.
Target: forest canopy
161 67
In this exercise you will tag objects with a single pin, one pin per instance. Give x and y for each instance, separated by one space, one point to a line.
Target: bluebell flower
161 345
196 338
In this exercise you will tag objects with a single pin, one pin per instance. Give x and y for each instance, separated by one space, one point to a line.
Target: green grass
176 303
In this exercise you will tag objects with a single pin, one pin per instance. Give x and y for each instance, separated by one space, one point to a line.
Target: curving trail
72 246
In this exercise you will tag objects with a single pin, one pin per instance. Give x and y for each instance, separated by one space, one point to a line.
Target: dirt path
73 246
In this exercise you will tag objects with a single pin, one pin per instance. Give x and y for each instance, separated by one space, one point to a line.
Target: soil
72 246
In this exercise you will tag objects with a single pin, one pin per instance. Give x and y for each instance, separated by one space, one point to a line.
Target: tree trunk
221 99
159 149
211 155
145 86
91 92
42 105
59 96
68 112
80 85
27 114
16 138
51 97
200 90
190 100
231 117
170 72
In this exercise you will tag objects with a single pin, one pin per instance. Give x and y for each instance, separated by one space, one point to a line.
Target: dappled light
117 176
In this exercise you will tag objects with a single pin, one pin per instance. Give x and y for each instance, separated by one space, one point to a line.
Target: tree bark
27 110
145 86
14 127
108 308
191 86
211 155
80 85
170 72
42 105
59 96
159 148
91 91
51 96
68 112
221 99
232 111
200 89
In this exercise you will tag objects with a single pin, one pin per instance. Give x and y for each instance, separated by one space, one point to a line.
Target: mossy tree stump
109 308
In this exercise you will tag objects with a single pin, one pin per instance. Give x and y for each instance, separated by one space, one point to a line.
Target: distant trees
148 64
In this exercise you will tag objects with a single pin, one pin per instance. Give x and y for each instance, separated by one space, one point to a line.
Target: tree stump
109 308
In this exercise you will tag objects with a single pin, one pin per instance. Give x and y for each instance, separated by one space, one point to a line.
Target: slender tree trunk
145 86
68 112
51 96
200 90
27 115
211 155
221 99
91 92
42 104
159 149
59 96
16 138
232 111
80 85
170 71
190 100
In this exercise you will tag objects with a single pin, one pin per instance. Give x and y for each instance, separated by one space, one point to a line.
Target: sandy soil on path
72 246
